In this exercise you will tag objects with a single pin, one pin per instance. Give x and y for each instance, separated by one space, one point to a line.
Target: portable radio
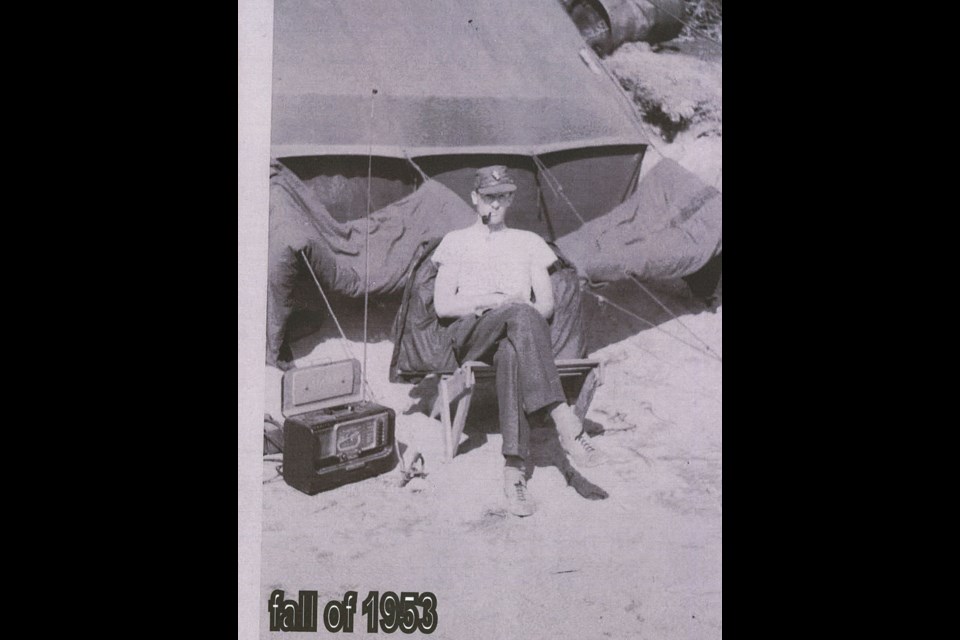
330 436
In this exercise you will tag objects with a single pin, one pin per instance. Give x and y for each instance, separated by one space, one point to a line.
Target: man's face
492 208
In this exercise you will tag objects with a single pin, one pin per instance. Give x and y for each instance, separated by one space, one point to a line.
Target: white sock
568 424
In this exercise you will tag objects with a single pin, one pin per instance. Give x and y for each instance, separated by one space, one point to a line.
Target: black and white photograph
480 319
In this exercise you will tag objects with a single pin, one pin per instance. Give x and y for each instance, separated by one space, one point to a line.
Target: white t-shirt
493 262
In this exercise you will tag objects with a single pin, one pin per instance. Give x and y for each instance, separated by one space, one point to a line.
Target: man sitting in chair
486 274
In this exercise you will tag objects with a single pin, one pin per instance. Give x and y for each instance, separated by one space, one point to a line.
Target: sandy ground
643 563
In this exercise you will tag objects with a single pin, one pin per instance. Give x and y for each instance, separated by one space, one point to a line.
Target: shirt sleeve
541 255
441 255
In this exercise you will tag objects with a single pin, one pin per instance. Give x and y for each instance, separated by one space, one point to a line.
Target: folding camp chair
579 377
421 350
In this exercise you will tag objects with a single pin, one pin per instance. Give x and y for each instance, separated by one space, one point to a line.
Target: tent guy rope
672 314
613 304
555 185
346 343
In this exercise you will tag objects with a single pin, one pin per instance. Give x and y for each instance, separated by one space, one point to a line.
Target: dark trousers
515 338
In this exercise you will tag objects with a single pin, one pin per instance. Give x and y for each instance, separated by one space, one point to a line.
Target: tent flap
337 251
669 228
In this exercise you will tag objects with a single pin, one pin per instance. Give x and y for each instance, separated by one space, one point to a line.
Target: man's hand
515 298
499 299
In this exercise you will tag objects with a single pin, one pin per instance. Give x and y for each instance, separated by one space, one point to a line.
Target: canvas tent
389 108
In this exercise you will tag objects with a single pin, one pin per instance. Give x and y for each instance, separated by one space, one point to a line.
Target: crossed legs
515 338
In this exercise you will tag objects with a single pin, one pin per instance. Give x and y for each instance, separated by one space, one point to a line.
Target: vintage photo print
480 318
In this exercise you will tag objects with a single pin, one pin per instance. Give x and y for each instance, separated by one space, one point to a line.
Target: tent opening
593 179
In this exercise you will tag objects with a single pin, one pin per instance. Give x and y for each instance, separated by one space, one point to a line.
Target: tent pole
366 249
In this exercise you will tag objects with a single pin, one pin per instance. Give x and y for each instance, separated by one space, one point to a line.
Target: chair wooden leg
586 394
460 419
446 425
456 387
